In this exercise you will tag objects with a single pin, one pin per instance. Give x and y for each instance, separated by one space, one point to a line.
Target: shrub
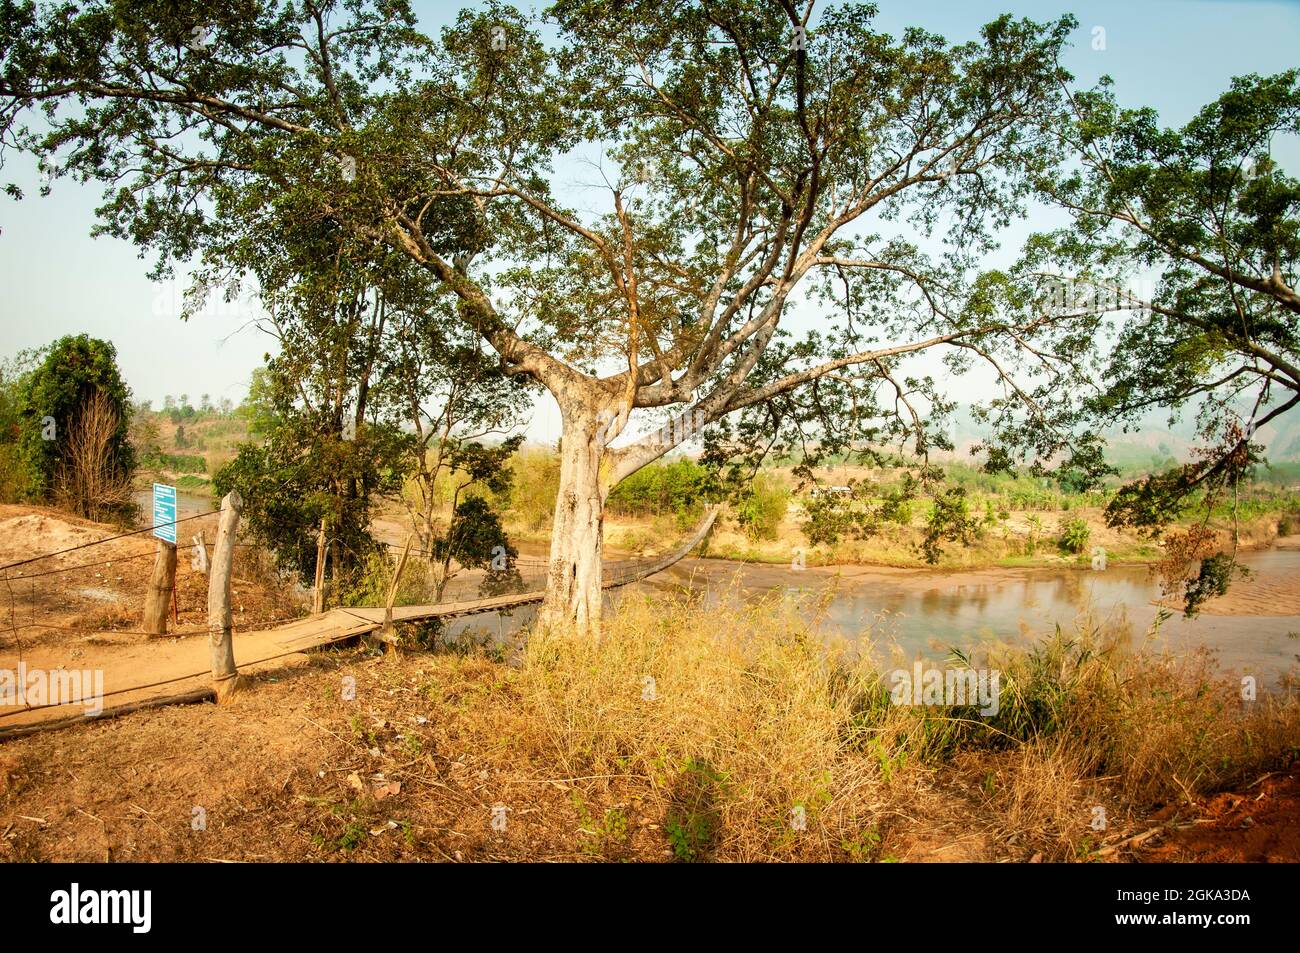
950 520
1074 536
90 480
77 378
675 486
763 507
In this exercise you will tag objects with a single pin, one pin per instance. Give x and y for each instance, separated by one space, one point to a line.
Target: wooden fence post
225 677
318 592
158 597
388 634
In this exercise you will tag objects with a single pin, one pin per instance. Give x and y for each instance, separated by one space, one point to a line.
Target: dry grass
746 720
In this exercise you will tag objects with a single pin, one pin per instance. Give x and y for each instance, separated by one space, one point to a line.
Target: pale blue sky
1174 55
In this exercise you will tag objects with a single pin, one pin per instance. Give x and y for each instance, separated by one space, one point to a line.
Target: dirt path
171 666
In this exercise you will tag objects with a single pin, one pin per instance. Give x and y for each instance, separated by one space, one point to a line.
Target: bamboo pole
162 584
225 677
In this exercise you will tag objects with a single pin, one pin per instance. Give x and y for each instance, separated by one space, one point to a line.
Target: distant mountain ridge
1151 437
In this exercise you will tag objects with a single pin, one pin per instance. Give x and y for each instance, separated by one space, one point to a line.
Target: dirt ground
1258 823
72 600
292 771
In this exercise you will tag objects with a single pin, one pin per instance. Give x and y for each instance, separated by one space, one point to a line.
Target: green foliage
693 821
950 519
1208 211
896 504
536 481
762 508
677 486
15 475
52 400
830 517
306 472
176 462
1074 536
1035 533
258 408
1211 580
476 537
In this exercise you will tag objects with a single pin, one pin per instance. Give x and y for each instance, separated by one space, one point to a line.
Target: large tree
74 437
1177 279
755 158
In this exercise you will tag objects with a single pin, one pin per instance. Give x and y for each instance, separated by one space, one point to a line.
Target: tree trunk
318 589
225 677
158 597
573 592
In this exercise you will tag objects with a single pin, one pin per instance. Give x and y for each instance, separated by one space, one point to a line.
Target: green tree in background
1178 278
76 388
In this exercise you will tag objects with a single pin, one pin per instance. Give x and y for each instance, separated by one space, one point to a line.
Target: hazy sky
1175 55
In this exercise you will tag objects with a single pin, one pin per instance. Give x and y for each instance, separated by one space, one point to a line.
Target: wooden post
158 597
318 592
388 634
225 677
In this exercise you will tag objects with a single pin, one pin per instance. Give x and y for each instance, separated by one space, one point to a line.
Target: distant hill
1151 440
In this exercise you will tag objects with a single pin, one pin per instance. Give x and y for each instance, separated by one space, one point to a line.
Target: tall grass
751 715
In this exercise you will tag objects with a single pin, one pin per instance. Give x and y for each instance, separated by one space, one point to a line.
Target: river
928 611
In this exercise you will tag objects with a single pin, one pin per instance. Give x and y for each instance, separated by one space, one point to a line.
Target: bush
896 506
1074 536
830 516
176 462
676 486
950 520
763 507
76 381
90 480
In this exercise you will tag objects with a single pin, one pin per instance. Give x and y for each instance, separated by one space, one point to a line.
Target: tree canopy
751 162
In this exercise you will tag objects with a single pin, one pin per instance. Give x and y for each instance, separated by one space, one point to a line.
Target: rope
638 569
98 542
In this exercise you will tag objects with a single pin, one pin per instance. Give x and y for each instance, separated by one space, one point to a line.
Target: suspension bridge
176 671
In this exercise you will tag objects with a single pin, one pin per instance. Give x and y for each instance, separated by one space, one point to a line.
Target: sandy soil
98 592
1258 823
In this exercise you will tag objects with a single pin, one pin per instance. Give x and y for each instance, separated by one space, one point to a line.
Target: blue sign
164 512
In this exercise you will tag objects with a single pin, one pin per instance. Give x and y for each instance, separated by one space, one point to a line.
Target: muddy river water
927 612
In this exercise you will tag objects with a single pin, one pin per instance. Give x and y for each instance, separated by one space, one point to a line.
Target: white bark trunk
225 677
573 585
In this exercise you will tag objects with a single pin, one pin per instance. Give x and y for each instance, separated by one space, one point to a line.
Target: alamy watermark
946 687
38 687
75 905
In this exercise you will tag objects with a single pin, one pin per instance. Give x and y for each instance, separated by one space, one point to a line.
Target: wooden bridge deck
142 674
